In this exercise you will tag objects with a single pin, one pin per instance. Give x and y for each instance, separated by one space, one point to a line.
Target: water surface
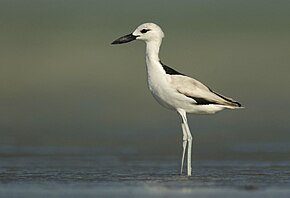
79 175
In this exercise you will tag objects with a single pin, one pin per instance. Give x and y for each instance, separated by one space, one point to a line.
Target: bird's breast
161 90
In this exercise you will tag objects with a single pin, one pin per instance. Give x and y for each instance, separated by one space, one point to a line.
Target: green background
63 85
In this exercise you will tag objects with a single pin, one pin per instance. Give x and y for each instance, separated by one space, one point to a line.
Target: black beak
124 39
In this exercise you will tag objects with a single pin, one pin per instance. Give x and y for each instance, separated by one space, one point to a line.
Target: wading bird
175 90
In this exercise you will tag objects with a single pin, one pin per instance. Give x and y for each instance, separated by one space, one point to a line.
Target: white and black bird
173 89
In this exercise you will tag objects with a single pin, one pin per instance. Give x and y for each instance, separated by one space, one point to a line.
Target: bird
175 90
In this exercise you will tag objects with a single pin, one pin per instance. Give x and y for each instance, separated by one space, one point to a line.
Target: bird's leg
188 141
184 144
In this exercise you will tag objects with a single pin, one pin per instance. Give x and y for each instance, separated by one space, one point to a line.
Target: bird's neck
154 67
152 50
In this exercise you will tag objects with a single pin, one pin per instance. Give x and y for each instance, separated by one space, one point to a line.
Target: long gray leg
189 139
184 144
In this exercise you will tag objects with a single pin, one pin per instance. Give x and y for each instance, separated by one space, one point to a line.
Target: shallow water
79 175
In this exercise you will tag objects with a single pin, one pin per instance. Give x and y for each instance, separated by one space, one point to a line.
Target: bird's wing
200 93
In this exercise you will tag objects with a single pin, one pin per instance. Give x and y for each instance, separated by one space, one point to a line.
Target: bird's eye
144 31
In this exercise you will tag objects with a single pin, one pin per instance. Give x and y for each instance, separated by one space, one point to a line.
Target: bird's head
146 32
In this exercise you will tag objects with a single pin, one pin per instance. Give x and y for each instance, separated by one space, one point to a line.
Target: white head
146 32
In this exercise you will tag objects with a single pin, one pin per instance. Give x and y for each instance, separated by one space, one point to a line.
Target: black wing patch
202 101
169 70
235 103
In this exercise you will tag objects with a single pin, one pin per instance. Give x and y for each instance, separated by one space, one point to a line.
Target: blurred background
62 85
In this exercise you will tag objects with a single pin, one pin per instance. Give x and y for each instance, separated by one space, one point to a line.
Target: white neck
152 50
155 70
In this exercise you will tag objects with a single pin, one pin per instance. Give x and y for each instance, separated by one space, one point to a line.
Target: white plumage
175 90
